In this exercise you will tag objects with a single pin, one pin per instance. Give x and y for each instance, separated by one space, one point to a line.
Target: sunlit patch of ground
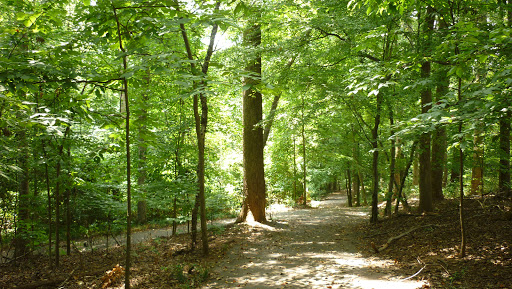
307 248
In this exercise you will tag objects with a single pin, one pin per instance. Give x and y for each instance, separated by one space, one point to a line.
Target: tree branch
330 34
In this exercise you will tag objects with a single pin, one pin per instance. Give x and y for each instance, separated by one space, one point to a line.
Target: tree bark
375 164
58 197
477 170
141 168
20 241
425 185
201 121
126 106
439 144
254 177
304 163
462 252
504 153
49 213
389 195
504 185
349 187
399 197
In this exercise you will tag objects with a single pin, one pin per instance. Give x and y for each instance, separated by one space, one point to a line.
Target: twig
67 279
416 274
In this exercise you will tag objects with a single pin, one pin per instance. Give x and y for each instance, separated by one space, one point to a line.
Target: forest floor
327 245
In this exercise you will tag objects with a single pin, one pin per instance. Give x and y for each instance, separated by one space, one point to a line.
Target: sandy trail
307 248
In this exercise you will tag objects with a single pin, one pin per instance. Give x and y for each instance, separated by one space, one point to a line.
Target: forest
123 115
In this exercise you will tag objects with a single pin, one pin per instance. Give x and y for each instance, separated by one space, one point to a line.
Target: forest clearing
126 123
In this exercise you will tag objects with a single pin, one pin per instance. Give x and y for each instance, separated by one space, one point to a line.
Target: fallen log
392 239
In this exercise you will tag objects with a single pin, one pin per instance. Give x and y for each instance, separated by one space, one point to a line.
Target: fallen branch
392 239
416 274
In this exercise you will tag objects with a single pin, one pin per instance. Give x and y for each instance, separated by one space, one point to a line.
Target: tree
425 184
201 121
254 176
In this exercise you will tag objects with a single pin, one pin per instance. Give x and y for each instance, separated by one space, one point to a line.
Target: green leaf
247 87
127 74
31 19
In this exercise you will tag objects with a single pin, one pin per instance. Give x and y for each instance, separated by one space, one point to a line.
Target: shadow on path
307 248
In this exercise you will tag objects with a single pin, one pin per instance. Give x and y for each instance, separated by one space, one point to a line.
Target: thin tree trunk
68 208
68 222
375 164
399 197
462 252
201 121
438 162
57 198
416 170
504 168
304 169
455 173
363 189
389 195
20 240
128 158
504 184
439 140
47 175
477 170
141 168
356 189
349 188
295 196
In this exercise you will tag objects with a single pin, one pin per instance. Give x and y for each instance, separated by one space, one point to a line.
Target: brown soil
435 246
327 246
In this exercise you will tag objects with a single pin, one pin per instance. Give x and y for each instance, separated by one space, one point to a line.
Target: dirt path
306 248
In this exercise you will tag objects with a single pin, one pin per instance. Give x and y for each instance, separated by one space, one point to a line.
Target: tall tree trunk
356 189
439 144
58 197
462 252
349 187
67 205
357 180
455 169
504 168
399 197
21 241
389 195
504 185
47 176
201 121
425 186
295 193
363 189
68 221
304 168
128 157
141 168
375 164
254 177
477 170
416 170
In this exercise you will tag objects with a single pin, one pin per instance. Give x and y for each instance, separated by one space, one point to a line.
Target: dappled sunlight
308 248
